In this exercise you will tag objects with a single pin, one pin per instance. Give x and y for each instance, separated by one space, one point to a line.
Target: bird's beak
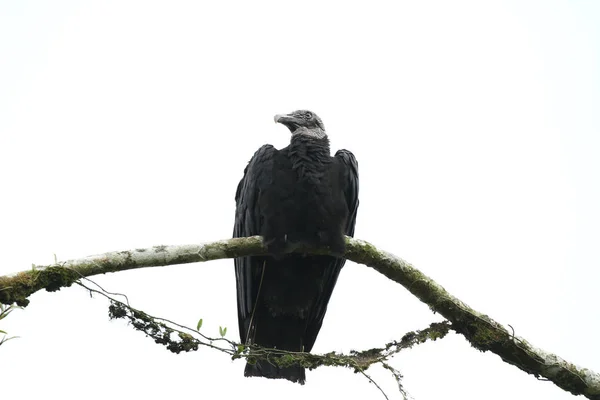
287 119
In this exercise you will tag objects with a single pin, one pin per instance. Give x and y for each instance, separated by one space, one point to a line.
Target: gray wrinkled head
303 122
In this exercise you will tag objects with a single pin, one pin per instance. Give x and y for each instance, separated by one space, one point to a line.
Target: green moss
484 337
158 331
287 360
15 290
24 284
115 311
53 278
187 342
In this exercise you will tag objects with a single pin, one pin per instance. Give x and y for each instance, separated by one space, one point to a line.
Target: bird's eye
307 115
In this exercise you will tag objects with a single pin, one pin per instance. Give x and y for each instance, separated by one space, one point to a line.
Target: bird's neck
315 133
310 156
309 146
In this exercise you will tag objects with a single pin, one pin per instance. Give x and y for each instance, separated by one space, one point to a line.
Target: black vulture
296 195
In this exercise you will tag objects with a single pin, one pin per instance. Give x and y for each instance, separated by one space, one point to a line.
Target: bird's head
303 122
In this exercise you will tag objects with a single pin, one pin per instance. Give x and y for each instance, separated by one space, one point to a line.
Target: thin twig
374 383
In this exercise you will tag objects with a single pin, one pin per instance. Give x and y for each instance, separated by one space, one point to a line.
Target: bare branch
481 331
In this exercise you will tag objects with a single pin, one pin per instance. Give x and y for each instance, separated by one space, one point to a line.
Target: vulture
298 195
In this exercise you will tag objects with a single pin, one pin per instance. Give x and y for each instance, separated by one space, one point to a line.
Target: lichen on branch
177 338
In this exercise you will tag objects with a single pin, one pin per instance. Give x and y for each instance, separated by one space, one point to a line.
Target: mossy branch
481 331
177 338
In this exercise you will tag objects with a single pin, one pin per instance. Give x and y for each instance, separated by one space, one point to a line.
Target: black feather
299 194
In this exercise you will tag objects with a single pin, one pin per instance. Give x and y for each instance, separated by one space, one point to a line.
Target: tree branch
481 331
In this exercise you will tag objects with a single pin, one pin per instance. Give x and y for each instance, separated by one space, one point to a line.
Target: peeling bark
481 331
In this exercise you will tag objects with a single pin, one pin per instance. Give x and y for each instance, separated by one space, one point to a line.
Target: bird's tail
267 370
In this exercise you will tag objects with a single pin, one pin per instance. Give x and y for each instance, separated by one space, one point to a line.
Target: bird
296 196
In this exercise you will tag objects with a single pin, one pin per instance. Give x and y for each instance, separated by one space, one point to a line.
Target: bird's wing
350 182
248 270
332 265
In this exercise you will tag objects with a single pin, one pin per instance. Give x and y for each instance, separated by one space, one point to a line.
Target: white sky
127 124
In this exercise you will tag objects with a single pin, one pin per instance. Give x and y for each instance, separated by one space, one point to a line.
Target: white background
127 124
